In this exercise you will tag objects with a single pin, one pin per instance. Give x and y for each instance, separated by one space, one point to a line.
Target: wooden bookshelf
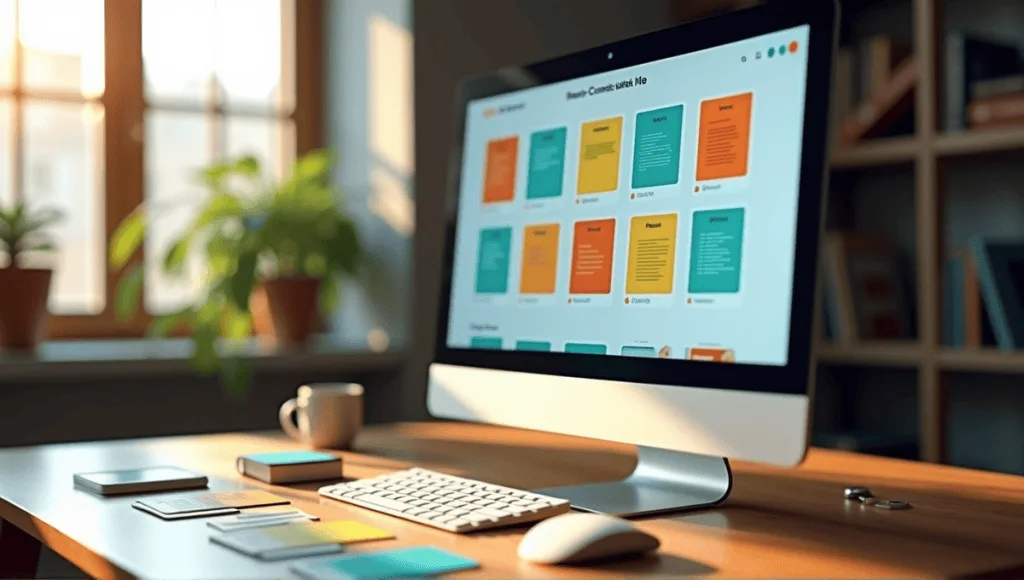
985 360
877 153
979 142
882 353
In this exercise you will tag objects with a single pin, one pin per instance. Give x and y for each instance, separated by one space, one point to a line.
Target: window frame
124 105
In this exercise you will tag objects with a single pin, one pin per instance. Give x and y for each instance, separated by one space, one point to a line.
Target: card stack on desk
294 540
415 562
193 505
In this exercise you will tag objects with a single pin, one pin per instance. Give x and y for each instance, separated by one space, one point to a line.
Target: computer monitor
632 249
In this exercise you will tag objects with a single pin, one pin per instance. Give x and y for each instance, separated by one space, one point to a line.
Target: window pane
177 49
271 140
249 54
63 167
6 153
63 45
177 144
6 43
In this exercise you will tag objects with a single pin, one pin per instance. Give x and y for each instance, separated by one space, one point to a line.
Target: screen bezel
793 377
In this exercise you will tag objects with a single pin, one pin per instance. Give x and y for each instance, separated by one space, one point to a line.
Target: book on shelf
996 112
843 89
1000 266
969 60
954 325
997 87
885 106
865 291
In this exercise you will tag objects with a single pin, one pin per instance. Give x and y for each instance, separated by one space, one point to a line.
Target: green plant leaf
236 324
314 165
220 206
248 165
40 247
129 290
330 295
174 260
127 239
204 349
163 325
235 376
243 281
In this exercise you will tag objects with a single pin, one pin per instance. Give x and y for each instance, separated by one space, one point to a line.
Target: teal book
290 466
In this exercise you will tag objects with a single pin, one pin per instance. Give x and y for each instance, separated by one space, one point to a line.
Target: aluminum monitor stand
663 481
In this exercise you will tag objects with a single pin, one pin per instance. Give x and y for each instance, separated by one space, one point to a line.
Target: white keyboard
444 501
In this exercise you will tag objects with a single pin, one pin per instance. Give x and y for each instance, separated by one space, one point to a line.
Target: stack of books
985 83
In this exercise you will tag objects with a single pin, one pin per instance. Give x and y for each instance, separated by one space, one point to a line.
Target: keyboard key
495 496
477 517
498 505
538 506
458 513
433 506
459 522
415 511
385 503
443 519
442 509
418 502
430 515
431 497
420 494
492 512
520 502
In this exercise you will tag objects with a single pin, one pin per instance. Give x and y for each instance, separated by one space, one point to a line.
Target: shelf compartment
875 353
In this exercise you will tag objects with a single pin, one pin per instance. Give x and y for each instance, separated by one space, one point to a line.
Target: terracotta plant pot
23 296
292 305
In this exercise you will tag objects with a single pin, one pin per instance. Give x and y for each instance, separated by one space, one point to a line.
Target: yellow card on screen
652 254
600 142
540 259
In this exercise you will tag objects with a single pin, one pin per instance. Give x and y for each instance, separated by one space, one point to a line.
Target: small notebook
299 539
290 466
404 563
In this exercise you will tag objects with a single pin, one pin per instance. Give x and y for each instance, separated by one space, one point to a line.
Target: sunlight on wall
390 119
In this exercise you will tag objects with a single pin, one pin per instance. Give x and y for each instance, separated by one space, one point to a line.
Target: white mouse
575 537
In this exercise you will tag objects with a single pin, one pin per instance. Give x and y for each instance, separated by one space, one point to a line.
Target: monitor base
663 481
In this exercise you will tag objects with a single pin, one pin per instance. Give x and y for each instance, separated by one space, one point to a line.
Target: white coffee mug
329 414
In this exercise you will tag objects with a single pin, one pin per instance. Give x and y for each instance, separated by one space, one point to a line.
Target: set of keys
864 496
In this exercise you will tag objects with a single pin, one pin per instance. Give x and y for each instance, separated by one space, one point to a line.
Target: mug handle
287 422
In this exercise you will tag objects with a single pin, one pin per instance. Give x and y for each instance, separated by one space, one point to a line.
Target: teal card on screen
404 563
486 342
585 348
547 164
533 345
657 145
492 262
716 251
639 351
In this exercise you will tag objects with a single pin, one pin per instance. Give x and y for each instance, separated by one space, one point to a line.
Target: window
113 103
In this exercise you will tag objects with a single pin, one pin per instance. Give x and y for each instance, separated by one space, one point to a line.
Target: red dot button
793 46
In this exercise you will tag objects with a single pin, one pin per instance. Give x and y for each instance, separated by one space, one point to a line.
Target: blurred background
108 103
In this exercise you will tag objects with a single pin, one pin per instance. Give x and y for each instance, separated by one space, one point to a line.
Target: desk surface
778 522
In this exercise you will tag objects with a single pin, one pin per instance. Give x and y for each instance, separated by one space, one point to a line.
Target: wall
368 107
457 38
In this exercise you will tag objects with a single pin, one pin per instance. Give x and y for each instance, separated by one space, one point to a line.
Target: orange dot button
793 46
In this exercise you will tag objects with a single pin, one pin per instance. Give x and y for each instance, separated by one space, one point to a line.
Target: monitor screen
649 211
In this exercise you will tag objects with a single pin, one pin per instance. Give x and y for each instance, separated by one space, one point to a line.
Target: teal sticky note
404 563
582 348
290 457
533 345
657 144
486 342
492 262
716 251
639 351
547 164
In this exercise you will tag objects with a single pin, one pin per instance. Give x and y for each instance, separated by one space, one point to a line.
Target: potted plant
292 240
24 291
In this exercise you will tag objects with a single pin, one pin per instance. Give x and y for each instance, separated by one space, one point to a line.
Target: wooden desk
778 522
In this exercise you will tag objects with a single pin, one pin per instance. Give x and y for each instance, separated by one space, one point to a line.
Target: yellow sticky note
600 144
337 532
652 254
